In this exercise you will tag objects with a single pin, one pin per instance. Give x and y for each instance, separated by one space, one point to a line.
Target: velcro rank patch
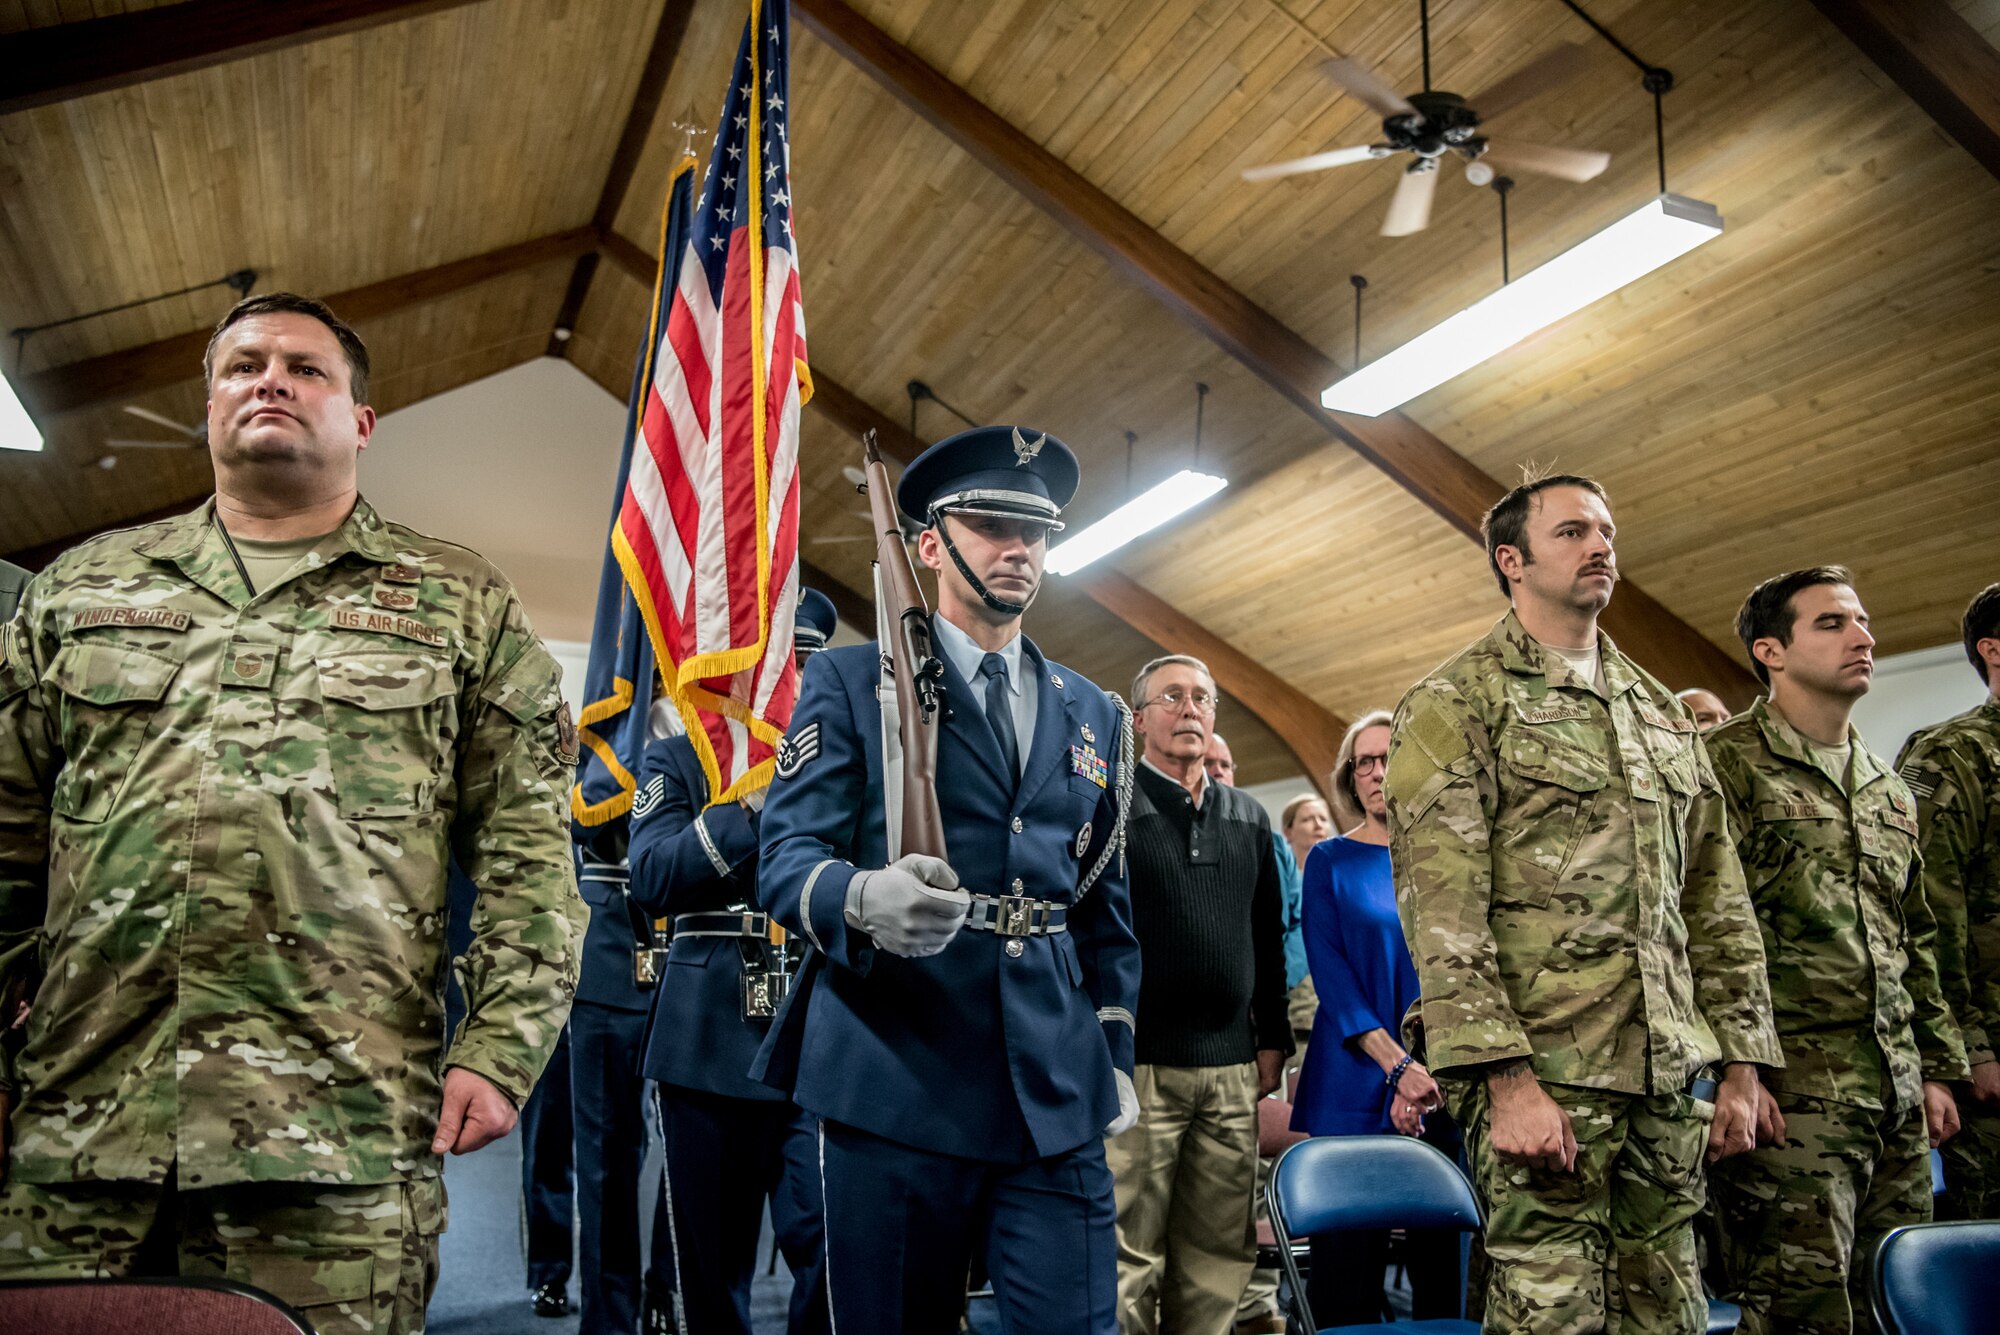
141 618
384 623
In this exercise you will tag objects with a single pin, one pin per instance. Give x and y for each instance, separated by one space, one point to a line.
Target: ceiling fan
192 437
860 481
1433 123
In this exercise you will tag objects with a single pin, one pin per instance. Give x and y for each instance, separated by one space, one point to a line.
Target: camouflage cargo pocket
333 1287
110 698
391 720
1547 787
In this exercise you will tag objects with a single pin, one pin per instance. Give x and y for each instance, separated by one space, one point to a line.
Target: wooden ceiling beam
67 60
134 371
39 555
639 119
858 612
1937 58
1309 732
1423 465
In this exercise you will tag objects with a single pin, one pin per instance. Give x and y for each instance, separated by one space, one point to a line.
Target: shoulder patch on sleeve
794 752
1442 740
648 797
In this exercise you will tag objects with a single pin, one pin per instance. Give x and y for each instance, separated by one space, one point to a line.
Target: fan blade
161 419
1316 162
1410 210
152 444
1571 164
1552 69
850 537
1366 84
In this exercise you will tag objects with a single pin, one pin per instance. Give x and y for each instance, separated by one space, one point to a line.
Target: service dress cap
1007 471
814 622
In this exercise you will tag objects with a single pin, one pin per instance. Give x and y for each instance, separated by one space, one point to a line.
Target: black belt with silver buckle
743 924
1016 915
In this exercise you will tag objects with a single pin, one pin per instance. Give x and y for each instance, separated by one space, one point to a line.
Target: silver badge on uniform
1055 680
794 752
1088 735
1082 839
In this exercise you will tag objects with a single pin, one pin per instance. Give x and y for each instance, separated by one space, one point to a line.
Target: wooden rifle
903 626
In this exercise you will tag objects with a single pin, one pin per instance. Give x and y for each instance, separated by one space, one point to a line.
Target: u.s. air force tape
649 797
794 752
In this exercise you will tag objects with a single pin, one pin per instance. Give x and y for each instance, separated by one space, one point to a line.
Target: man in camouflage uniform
1954 771
237 751
12 580
1582 938
1827 837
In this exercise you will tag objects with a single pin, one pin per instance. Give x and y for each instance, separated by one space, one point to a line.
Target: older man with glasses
1213 1032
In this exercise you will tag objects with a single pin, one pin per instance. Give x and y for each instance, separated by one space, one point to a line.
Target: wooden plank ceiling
1817 384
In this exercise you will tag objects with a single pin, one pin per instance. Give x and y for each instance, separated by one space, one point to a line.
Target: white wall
519 467
1912 691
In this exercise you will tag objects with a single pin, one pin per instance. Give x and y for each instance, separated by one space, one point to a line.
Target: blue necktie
1000 712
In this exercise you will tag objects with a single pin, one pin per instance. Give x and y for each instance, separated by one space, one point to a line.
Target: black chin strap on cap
1000 605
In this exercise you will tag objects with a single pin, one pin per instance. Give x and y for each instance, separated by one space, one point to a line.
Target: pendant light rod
1200 399
1360 285
1502 185
1653 78
917 389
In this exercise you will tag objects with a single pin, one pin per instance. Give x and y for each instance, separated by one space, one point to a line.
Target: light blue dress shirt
965 656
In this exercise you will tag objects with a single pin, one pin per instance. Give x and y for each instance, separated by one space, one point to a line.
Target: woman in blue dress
1358 1080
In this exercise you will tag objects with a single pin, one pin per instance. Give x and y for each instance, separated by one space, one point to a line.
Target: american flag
708 531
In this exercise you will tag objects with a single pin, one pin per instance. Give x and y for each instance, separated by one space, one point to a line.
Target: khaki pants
359 1260
1184 1178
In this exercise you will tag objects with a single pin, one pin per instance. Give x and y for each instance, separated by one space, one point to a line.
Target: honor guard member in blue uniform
607 1030
964 1032
731 1142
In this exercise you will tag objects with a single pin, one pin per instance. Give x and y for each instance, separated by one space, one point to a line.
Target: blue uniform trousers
609 1099
547 1171
724 1156
903 1225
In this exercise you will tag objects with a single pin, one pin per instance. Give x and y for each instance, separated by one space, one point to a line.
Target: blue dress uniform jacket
972 1052
687 859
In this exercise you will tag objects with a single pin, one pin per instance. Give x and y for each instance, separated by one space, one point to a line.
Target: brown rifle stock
917 670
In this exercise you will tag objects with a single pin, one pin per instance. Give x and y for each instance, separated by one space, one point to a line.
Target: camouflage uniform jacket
225 823
1953 769
1831 861
1565 875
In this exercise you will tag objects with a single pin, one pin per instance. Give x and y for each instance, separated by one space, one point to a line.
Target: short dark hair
1767 613
1507 522
1981 622
291 303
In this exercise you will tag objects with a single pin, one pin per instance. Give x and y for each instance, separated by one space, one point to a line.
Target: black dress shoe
552 1299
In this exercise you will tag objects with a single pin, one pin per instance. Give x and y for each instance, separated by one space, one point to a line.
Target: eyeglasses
1174 697
1362 764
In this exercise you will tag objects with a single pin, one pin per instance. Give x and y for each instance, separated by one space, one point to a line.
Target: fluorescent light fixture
1665 229
17 430
1140 515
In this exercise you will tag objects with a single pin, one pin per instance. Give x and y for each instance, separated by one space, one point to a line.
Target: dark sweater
1208 912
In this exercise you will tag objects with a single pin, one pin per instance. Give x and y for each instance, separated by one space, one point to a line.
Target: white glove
1128 1105
912 907
753 801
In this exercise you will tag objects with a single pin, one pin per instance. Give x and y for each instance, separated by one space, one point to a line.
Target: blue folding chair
1336 1182
1938 1279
